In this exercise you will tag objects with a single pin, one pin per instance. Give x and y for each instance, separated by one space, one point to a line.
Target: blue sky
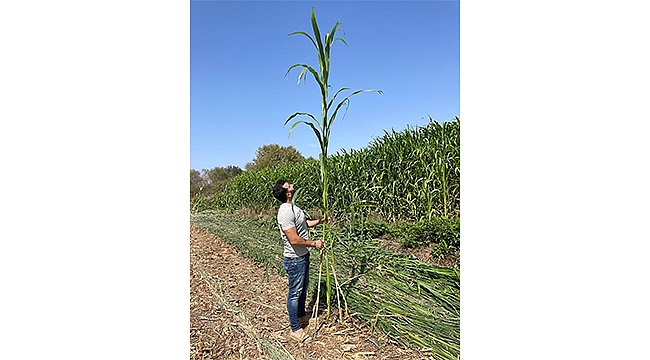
240 52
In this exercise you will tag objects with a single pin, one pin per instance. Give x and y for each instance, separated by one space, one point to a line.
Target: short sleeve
286 219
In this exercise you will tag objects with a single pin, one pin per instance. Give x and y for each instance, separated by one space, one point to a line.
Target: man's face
289 187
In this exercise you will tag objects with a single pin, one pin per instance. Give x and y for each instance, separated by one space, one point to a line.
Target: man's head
283 191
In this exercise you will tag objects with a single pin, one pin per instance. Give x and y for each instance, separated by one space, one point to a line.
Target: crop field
413 302
409 175
402 187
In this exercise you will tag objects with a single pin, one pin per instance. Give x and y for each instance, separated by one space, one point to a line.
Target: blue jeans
298 273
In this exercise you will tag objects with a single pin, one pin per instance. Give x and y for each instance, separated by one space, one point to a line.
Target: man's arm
298 240
312 223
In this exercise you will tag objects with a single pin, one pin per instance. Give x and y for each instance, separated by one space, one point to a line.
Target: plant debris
238 311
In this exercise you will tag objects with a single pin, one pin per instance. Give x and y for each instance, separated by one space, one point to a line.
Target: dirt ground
238 311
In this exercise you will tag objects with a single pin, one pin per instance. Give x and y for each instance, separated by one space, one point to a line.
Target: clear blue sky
240 52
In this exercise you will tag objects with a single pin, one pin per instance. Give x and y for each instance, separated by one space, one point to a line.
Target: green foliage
253 189
274 155
413 174
394 178
211 181
219 177
427 232
370 229
441 250
198 202
220 174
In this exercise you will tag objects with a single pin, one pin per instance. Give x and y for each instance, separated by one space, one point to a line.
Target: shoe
304 321
299 335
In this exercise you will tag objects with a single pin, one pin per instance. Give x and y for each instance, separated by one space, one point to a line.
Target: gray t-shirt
288 219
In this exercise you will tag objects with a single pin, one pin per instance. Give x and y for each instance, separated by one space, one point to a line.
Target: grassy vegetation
411 301
410 175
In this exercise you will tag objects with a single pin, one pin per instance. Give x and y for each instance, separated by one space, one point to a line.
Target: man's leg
303 296
295 275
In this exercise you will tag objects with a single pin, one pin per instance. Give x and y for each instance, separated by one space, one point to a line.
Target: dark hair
279 192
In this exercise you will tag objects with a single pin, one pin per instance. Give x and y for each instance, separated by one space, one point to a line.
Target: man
294 231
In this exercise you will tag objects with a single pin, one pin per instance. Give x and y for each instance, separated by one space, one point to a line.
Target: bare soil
238 311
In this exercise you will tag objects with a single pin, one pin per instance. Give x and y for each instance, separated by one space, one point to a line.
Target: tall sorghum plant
321 128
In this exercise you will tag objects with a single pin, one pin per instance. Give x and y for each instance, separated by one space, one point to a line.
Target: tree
220 176
273 155
212 181
196 182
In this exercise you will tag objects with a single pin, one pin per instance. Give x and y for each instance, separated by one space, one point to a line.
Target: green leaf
314 26
329 42
321 83
300 114
305 68
329 105
294 198
307 35
340 104
308 123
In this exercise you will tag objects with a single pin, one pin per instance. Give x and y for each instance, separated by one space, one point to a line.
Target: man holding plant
294 231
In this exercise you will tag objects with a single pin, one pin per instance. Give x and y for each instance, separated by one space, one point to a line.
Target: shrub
427 232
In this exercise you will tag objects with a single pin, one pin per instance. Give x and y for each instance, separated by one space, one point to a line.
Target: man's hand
312 223
319 244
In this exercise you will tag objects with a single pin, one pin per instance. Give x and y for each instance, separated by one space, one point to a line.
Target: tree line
211 181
